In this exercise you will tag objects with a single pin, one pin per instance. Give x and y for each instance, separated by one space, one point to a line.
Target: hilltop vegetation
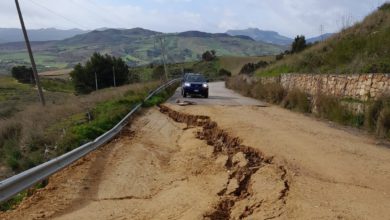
136 46
212 69
362 48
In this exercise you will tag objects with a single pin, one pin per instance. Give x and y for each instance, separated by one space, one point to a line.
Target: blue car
195 84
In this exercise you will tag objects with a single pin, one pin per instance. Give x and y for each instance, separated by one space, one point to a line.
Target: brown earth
222 162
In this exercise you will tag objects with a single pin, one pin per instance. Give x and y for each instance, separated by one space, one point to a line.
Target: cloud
285 16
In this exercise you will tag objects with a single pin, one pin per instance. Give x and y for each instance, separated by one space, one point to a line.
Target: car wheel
184 95
206 95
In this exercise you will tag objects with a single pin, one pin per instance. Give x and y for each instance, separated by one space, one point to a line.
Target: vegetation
100 72
299 44
377 117
158 72
22 147
271 92
209 56
362 48
135 46
50 132
23 74
57 85
224 73
327 107
250 68
331 108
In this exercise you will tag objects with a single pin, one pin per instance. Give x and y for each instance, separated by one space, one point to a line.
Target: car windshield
195 78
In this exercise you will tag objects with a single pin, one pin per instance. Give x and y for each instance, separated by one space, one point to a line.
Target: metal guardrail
28 178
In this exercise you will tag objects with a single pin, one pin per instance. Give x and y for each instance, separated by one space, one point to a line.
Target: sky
288 17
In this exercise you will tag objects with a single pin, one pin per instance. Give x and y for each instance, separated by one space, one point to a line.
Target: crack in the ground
225 144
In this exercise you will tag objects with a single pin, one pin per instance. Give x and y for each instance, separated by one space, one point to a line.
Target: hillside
137 46
46 34
271 37
319 38
362 48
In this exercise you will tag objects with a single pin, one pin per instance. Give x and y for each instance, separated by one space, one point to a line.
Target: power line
96 13
105 11
57 14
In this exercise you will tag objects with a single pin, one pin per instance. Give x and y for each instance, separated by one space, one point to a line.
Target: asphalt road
218 95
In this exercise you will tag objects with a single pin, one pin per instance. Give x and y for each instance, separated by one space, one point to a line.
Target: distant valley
136 46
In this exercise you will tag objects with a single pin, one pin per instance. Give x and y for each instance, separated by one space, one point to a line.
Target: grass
362 48
57 85
52 132
327 107
41 128
377 117
105 115
332 108
298 101
18 198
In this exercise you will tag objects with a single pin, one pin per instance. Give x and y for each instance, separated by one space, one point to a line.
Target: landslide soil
220 162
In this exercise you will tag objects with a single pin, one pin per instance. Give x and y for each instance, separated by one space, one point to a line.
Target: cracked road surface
222 161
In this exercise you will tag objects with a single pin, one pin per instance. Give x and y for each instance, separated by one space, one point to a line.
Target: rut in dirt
225 144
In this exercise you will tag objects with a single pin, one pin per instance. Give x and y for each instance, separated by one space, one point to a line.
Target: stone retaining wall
356 86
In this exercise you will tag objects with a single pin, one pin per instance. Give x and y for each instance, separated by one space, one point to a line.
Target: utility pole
113 74
322 32
33 65
96 82
163 56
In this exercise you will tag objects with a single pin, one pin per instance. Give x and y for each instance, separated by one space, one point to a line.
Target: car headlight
205 85
187 84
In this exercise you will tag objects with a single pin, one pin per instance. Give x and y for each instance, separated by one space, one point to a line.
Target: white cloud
285 16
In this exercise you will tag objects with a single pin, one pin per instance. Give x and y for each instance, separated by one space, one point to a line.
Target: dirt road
222 162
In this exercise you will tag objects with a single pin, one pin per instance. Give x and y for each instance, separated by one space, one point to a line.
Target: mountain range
136 46
272 37
15 34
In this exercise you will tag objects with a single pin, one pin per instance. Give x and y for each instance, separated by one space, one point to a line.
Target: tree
23 74
209 55
104 66
299 44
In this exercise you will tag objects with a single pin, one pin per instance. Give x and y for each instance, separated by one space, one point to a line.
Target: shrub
297 100
250 68
270 92
372 113
238 84
224 72
331 108
158 72
23 74
10 131
12 154
383 123
377 117
279 57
